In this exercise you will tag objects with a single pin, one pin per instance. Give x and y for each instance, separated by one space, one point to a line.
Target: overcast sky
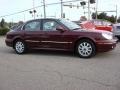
12 6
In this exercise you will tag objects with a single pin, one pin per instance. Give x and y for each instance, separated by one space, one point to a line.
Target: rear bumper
9 42
106 45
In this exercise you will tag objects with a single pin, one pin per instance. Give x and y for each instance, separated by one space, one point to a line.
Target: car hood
95 31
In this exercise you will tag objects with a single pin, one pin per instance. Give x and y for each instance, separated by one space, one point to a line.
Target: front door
52 38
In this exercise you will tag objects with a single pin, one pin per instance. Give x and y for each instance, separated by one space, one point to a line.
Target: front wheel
85 48
19 47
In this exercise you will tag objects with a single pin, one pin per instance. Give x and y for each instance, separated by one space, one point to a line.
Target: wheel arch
15 39
84 38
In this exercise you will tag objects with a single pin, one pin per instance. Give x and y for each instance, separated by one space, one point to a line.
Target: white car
116 30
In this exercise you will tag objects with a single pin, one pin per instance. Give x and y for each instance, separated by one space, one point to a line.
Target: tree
93 15
2 23
104 16
3 27
99 16
118 20
112 19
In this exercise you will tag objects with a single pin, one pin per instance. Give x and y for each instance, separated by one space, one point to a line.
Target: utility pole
61 8
24 16
88 9
44 8
33 9
96 8
116 13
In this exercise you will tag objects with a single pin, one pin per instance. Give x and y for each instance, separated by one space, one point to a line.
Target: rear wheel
85 48
19 47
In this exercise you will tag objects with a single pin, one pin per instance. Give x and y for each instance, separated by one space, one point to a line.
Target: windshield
69 24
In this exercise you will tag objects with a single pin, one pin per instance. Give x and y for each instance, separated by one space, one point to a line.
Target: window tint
32 26
49 25
118 27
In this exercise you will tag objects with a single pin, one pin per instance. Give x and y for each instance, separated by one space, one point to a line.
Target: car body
59 34
116 30
97 24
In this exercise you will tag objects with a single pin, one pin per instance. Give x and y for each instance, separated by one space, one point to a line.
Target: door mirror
60 28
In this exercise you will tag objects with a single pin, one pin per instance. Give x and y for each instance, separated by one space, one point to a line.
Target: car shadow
51 53
44 53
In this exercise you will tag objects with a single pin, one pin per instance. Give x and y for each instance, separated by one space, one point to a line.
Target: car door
52 38
32 33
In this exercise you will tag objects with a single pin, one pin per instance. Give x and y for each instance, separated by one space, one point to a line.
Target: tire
118 37
85 48
20 47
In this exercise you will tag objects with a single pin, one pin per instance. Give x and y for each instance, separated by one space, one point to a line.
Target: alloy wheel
19 47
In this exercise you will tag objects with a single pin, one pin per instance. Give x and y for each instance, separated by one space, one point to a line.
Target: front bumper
106 45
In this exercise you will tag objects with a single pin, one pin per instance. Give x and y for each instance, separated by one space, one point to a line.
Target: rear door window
32 26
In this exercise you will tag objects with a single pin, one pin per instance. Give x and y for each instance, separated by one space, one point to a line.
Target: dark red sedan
59 34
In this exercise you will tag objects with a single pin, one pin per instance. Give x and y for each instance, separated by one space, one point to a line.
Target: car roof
44 19
41 19
117 24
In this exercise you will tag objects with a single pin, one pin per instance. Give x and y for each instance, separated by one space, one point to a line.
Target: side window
118 27
98 23
49 25
32 26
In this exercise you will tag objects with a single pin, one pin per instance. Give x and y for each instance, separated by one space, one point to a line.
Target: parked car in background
97 24
17 25
116 30
59 34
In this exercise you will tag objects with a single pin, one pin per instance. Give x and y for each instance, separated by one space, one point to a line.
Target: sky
8 7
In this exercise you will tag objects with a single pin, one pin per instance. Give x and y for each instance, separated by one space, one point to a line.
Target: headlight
107 35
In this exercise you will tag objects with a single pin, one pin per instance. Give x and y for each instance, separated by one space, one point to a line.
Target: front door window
49 25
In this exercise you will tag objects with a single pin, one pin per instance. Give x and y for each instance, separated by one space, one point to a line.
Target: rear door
32 33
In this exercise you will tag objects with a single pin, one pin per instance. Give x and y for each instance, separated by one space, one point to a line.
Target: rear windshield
16 26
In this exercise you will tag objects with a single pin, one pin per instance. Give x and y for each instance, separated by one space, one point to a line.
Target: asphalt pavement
53 70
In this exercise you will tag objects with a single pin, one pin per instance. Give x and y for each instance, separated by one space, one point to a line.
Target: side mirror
60 28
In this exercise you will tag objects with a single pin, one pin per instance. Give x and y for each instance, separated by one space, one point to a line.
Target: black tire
85 48
20 47
118 37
